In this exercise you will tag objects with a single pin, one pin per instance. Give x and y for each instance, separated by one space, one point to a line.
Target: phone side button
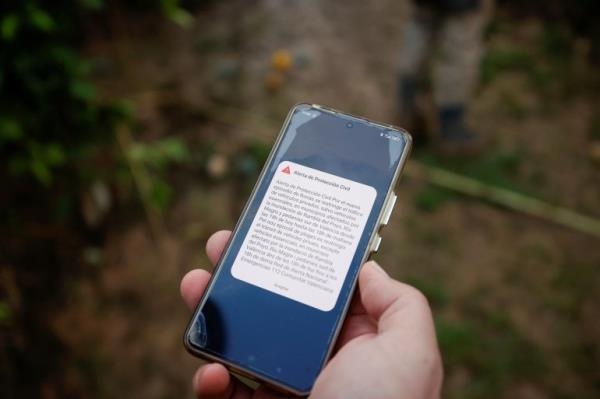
376 243
388 210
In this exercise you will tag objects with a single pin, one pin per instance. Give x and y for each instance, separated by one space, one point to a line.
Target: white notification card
304 235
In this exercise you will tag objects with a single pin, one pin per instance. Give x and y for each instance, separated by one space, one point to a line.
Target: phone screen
280 291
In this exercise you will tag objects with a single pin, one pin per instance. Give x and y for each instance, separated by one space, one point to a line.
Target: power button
389 207
376 243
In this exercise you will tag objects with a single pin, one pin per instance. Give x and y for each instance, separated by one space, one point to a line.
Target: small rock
217 166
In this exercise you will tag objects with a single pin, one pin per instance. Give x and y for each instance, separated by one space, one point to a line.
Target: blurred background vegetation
130 130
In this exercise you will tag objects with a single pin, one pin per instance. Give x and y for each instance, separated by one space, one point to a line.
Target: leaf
41 19
181 17
174 149
10 130
55 155
5 313
9 27
94 5
160 153
161 193
41 171
83 90
139 152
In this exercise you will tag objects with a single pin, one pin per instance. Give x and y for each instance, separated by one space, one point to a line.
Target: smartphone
279 294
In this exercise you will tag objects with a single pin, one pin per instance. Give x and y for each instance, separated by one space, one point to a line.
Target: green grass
497 167
574 282
430 198
547 62
513 106
498 61
434 290
494 353
573 290
483 344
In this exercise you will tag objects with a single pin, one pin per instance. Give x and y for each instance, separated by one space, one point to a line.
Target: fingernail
196 379
379 268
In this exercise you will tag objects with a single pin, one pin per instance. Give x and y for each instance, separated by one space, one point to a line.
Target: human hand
387 347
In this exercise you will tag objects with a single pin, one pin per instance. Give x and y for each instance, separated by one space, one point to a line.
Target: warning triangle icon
286 170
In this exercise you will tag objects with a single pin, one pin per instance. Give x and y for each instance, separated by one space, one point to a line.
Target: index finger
194 282
216 244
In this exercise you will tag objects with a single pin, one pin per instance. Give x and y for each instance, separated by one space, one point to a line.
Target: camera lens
349 125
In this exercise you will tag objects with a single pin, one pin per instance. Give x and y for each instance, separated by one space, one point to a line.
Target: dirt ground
515 298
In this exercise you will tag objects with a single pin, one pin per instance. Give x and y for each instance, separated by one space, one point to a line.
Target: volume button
388 210
376 243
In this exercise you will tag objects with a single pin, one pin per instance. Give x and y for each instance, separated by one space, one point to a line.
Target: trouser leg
461 46
456 71
416 43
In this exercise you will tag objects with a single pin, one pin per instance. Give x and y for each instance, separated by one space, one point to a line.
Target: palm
386 348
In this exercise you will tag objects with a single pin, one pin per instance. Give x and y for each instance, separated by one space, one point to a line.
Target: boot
454 137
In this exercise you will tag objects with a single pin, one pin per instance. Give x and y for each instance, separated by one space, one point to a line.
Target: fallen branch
509 199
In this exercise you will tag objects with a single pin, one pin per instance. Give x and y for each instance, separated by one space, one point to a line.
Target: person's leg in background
456 72
416 48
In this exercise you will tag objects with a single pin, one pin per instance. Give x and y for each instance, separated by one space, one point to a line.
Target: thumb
391 303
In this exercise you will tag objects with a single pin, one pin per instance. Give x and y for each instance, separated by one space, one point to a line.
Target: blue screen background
276 337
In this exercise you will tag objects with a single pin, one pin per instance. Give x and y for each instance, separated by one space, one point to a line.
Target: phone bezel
239 369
